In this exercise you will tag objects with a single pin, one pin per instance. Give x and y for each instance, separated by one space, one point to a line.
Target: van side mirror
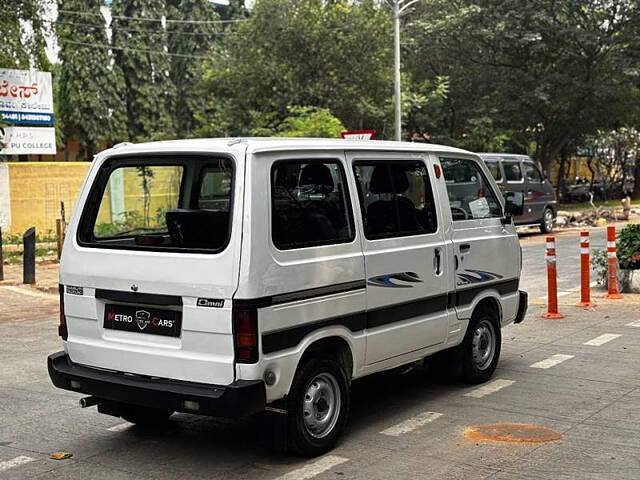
514 203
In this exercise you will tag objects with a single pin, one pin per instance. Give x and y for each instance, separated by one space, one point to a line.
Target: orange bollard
585 272
552 281
612 260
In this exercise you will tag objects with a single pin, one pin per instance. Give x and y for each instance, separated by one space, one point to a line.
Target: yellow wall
36 190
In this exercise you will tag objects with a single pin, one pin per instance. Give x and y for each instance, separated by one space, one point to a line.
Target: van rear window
179 204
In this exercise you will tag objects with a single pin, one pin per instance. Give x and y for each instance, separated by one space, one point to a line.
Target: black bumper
240 398
522 306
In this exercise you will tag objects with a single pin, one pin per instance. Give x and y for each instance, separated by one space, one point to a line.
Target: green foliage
191 40
88 87
148 93
23 32
335 55
306 122
628 247
600 265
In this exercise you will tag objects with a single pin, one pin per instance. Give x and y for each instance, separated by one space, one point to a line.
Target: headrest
319 175
381 183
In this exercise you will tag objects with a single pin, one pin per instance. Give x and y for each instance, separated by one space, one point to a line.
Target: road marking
560 294
315 468
119 427
552 361
411 424
489 388
30 293
634 324
602 339
15 462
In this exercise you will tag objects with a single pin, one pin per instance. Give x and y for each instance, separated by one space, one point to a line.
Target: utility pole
400 9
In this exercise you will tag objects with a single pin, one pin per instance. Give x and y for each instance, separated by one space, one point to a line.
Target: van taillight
245 335
62 328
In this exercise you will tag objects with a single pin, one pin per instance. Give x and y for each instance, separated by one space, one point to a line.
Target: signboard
359 135
27 140
26 96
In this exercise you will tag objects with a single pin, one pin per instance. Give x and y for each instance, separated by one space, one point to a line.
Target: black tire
475 367
145 416
301 440
546 222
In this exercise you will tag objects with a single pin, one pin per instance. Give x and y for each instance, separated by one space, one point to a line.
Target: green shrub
600 266
629 247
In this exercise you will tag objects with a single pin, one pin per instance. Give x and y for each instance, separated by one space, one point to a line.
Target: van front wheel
481 347
317 406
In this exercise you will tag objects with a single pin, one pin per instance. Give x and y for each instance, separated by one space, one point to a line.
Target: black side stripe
358 321
299 295
287 338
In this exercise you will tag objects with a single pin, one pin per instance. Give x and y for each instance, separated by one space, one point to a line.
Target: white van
228 277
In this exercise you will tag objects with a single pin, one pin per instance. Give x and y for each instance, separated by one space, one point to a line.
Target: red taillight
62 328
245 334
481 193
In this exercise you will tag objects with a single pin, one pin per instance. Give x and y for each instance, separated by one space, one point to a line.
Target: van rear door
150 264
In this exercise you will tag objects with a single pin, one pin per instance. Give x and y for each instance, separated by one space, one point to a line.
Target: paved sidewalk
578 376
46 277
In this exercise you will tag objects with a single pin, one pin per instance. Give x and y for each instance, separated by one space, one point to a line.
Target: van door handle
437 261
465 247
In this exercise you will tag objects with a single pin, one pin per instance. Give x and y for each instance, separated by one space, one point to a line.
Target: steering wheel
465 216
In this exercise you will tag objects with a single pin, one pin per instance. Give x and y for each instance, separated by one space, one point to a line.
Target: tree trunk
636 184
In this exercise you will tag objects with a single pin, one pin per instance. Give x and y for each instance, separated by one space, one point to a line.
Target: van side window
512 170
470 195
532 173
215 189
310 204
494 168
396 198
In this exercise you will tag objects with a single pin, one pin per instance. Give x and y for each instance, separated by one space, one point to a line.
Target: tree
23 35
306 122
546 71
334 55
88 87
190 42
139 40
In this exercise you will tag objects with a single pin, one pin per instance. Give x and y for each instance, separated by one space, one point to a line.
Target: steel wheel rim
548 220
483 345
321 405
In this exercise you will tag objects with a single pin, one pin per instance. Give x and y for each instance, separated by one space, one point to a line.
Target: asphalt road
534 273
578 376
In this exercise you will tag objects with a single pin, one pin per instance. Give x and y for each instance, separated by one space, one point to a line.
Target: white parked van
225 277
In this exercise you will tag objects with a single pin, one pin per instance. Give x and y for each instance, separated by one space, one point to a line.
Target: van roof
504 155
262 144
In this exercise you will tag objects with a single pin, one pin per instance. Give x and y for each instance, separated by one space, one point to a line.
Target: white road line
560 294
552 361
489 388
30 293
411 424
15 462
315 468
634 324
602 339
120 427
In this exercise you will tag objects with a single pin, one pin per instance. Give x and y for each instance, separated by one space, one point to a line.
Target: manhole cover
512 432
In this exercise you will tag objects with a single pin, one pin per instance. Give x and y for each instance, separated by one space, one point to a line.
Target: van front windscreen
181 203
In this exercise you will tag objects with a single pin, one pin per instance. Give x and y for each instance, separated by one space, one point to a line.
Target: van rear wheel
481 347
317 406
144 416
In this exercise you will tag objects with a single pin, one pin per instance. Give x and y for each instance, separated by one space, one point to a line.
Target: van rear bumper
523 300
240 398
